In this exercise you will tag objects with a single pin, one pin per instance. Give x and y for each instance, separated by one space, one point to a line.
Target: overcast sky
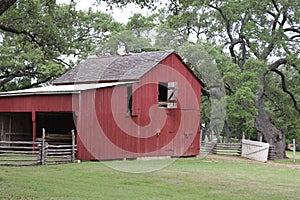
120 15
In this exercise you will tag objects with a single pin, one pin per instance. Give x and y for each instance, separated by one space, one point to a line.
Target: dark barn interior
18 126
54 122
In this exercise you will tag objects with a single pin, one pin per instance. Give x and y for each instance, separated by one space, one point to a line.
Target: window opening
167 94
129 100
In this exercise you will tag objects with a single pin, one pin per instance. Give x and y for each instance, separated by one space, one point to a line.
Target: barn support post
73 145
33 118
9 129
2 138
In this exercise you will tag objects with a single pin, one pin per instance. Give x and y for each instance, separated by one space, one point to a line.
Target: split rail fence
232 149
21 153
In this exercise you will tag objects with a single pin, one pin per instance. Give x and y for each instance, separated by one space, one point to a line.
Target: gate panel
255 150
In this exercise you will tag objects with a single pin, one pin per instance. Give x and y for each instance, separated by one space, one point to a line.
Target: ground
212 177
283 163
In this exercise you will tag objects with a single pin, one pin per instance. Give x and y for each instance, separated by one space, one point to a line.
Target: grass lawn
190 178
289 154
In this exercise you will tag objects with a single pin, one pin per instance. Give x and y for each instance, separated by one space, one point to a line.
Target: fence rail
20 153
230 149
233 149
26 153
272 153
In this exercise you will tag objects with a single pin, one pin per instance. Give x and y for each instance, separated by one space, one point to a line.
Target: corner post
294 150
73 145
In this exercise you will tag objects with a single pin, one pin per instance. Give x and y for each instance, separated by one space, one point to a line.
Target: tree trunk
271 134
227 132
264 124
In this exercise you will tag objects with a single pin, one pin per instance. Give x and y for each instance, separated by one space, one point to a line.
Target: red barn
138 105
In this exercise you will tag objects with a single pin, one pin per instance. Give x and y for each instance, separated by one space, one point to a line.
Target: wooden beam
33 118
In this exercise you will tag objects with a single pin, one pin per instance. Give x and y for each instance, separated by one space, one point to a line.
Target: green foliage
37 36
123 43
138 21
279 105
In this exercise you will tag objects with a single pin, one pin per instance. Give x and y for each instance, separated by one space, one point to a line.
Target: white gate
255 150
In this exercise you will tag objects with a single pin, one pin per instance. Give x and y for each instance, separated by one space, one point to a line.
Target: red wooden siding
107 132
46 103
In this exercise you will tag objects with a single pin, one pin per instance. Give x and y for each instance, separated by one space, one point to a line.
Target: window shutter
172 95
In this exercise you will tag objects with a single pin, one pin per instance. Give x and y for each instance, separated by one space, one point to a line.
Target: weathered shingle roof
113 68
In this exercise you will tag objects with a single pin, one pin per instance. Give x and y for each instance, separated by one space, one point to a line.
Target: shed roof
61 89
113 68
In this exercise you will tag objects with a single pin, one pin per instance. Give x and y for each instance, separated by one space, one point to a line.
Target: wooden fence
272 153
55 152
230 149
21 153
233 149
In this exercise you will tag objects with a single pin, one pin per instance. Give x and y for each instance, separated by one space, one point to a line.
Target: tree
262 40
266 35
36 36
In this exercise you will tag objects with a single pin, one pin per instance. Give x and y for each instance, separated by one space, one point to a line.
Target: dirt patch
238 158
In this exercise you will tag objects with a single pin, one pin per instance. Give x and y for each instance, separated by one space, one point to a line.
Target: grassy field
190 178
290 154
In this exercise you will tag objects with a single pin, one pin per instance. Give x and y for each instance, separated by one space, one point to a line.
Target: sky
120 15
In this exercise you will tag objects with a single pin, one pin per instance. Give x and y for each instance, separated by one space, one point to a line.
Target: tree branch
233 42
5 5
277 63
38 82
15 31
284 88
290 29
275 5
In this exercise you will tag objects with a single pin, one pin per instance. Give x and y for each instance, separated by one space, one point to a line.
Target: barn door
172 95
255 150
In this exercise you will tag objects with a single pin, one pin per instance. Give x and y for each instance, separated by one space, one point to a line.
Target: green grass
289 154
191 178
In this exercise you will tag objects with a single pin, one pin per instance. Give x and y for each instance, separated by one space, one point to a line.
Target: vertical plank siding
105 131
45 103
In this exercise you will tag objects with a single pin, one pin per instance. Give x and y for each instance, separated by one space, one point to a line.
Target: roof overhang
62 89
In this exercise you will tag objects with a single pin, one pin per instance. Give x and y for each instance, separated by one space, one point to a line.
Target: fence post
294 150
73 145
40 156
43 148
260 138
